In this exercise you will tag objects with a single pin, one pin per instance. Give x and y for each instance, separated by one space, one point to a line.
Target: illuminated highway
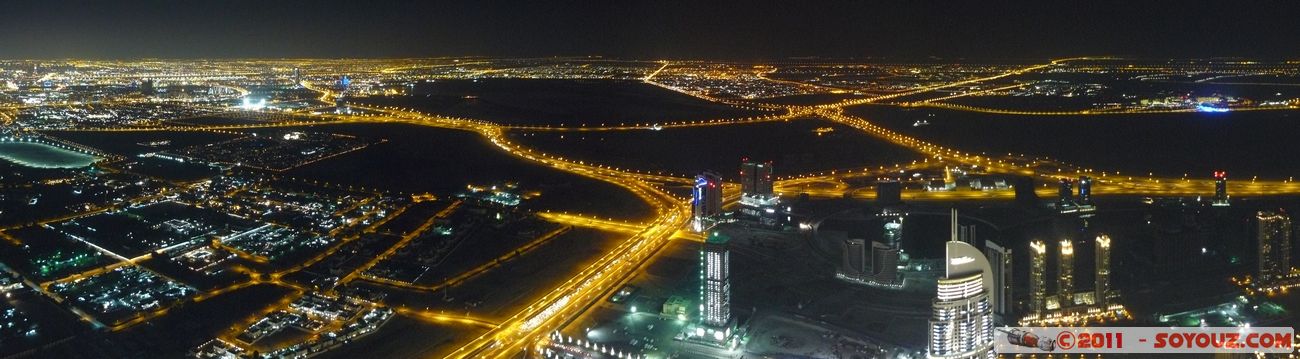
442 318
651 76
792 113
610 225
605 224
969 93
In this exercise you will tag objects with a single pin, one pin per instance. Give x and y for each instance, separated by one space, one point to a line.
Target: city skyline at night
641 180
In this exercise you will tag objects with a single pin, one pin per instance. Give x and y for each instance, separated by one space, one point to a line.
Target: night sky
646 29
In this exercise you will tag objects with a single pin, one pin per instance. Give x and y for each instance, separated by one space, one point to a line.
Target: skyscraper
884 264
885 255
715 286
1085 190
341 99
756 179
1000 260
1025 195
146 87
1220 189
706 200
1102 296
855 257
1037 276
1065 273
758 203
1274 236
1095 303
1064 194
962 324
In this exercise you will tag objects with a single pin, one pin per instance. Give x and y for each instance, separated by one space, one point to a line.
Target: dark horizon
641 30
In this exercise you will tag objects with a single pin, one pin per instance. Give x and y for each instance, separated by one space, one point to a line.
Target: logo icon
1026 339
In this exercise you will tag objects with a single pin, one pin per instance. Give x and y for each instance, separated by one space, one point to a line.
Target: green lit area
40 155
63 262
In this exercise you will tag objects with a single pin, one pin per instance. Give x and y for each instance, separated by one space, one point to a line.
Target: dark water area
169 170
556 102
1253 143
420 159
128 143
794 146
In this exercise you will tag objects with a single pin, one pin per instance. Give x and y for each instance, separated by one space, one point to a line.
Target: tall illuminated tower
1037 276
1000 259
1274 236
715 288
962 324
1065 273
1220 189
1103 271
706 200
1085 190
